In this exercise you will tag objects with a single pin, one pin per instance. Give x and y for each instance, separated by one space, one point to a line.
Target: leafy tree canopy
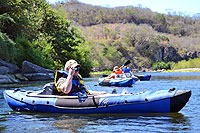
40 34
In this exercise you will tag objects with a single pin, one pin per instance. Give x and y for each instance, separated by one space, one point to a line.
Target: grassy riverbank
174 70
102 72
185 70
99 74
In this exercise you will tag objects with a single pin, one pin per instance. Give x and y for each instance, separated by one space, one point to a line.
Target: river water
186 120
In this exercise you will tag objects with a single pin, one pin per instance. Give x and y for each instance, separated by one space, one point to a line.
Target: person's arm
112 75
66 86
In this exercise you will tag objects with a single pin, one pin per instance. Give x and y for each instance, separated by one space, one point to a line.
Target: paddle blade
128 62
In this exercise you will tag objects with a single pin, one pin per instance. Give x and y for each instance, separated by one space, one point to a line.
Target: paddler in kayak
127 71
116 71
69 81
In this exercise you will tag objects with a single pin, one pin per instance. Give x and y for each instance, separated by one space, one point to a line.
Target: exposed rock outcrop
6 68
28 67
34 72
170 54
9 73
8 79
39 76
190 54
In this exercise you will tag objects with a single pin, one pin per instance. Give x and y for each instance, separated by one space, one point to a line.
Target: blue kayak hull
145 102
143 77
153 107
126 82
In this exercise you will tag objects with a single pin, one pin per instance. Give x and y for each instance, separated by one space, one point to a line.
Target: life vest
119 71
77 83
126 70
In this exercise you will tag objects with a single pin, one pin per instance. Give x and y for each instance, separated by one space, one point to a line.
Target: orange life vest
119 71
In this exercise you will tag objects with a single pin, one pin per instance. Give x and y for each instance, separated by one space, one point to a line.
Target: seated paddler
69 81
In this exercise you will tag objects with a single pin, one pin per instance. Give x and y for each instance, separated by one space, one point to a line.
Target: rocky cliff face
10 73
6 68
170 54
34 72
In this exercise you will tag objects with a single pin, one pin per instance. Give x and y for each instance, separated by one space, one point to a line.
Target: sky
188 7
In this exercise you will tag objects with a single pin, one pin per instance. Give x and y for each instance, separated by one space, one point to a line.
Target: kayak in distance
145 77
122 82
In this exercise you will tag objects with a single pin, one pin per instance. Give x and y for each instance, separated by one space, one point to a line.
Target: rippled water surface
187 120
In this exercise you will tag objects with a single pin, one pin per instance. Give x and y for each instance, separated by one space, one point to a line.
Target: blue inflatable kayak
123 82
146 77
162 101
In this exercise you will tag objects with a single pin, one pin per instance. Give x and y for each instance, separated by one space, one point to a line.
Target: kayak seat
49 89
128 75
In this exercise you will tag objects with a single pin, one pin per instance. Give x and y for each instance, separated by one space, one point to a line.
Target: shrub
191 63
162 65
32 52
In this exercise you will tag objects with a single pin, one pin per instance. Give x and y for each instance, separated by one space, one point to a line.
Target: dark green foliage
27 51
160 23
86 63
5 18
42 35
82 57
4 6
7 48
162 65
148 49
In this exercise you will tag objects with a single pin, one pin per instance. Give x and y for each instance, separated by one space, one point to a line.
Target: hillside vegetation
115 35
98 38
31 30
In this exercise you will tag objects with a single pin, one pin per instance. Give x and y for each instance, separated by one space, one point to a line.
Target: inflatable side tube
89 102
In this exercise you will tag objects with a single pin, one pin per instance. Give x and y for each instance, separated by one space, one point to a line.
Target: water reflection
2 120
180 122
178 118
123 123
162 122
67 123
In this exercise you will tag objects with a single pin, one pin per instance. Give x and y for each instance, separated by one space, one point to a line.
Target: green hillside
115 35
97 37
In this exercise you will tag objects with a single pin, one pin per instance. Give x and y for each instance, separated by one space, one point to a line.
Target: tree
160 23
37 31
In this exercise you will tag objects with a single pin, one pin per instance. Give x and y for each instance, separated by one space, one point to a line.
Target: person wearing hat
69 81
116 71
